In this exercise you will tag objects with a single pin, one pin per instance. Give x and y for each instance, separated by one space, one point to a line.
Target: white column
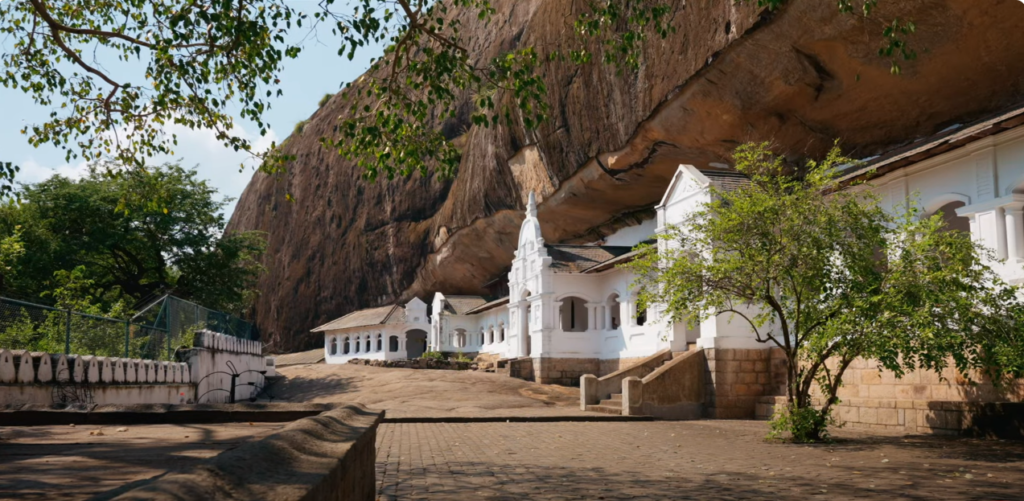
1014 231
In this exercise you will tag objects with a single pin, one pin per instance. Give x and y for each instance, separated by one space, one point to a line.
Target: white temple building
572 311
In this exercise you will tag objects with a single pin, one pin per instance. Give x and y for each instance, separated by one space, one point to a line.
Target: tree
206 57
827 275
141 233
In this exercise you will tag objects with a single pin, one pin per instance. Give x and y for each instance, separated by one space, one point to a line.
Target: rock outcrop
800 77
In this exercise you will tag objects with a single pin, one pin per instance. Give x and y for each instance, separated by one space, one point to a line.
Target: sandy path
423 393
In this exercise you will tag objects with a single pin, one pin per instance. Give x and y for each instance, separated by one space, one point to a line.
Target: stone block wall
563 371
611 365
734 380
920 402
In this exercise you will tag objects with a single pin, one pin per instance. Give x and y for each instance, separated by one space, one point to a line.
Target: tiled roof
577 258
949 139
362 318
488 306
461 305
726 180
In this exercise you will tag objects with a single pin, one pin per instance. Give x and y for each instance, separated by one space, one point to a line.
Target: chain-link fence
179 317
35 327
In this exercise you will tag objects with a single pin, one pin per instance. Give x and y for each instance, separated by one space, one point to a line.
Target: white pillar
1014 231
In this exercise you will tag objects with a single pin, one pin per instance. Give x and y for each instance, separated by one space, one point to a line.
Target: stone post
588 391
632 396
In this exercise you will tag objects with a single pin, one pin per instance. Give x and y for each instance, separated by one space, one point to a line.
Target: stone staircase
613 404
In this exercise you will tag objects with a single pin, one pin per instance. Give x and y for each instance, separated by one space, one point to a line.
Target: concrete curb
39 415
517 419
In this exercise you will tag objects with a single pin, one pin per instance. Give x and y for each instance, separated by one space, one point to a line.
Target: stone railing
229 344
23 367
673 391
593 388
45 378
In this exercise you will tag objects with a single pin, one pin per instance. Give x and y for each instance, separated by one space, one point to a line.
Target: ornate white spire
531 206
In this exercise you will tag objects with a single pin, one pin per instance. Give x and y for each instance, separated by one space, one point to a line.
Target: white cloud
225 169
34 172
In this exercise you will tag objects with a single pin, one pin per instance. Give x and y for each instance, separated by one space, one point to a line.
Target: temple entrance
415 343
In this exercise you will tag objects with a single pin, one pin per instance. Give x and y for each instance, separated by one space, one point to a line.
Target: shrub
435 355
803 424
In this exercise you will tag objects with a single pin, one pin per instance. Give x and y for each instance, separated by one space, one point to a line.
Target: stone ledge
328 456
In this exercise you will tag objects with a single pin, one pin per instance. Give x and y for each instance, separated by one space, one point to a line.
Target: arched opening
501 333
393 344
380 342
614 311
573 313
355 344
348 346
367 341
952 220
415 343
334 346
460 338
641 316
490 335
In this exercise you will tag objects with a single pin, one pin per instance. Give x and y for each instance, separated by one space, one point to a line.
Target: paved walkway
705 460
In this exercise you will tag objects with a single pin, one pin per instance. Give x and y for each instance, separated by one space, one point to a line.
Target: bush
323 100
459 357
436 355
803 424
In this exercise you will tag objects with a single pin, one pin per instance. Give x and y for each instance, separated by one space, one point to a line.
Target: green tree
140 233
206 58
828 276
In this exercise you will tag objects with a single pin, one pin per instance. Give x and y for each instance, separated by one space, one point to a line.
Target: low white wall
41 378
213 360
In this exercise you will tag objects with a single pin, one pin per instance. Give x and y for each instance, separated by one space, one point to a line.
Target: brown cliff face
800 77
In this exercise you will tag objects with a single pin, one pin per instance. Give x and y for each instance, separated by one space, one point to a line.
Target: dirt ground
79 462
425 393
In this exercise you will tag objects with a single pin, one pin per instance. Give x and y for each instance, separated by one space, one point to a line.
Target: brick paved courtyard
705 460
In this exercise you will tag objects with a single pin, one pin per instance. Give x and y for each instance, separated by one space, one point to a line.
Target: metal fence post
67 334
127 335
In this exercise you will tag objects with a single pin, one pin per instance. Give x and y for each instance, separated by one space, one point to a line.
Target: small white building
386 333
571 310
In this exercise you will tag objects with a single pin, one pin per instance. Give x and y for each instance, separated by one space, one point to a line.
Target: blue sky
317 71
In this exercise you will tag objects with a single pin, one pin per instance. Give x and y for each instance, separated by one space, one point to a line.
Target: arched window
574 314
501 333
380 342
348 346
334 345
393 344
367 344
952 220
614 317
355 344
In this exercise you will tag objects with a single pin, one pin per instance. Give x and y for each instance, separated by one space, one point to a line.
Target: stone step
605 409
